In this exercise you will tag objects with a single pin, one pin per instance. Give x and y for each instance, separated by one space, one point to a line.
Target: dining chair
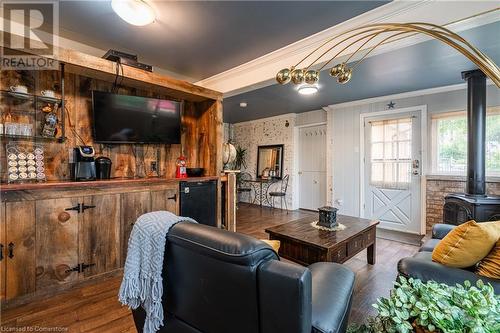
281 193
243 186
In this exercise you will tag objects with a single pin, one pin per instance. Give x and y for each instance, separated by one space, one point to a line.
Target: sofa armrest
423 268
332 289
440 230
284 297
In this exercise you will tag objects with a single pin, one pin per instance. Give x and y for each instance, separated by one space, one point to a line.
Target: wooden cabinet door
3 251
99 243
133 205
165 200
20 248
57 241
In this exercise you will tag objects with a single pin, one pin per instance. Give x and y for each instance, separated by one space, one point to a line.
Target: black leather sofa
421 266
216 281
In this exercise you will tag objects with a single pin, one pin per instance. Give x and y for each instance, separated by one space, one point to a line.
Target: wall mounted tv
133 119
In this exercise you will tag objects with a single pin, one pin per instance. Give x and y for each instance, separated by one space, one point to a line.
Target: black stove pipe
476 134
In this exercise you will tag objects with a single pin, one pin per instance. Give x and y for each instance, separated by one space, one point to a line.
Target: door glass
390 153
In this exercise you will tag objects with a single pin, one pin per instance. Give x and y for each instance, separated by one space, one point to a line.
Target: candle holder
328 217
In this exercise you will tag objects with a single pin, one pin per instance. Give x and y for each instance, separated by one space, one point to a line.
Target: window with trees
449 143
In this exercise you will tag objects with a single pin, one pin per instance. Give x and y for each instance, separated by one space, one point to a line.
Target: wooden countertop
51 185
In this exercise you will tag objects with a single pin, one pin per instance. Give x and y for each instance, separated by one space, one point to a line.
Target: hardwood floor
371 281
95 308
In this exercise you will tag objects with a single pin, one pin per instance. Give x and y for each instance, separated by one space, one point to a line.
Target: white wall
344 124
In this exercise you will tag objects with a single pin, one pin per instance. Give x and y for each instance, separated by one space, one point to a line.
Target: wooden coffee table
304 244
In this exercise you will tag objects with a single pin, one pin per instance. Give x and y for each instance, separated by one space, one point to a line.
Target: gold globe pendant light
380 34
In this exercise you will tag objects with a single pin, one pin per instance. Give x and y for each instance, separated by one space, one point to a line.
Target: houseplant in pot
240 160
416 306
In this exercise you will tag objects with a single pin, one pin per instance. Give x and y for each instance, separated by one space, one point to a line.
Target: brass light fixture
380 33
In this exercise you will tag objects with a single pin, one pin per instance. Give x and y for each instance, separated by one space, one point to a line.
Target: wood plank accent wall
201 128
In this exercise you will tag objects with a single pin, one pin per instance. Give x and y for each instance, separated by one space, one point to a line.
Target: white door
392 171
312 167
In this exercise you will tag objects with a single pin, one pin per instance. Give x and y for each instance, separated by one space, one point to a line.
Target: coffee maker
82 166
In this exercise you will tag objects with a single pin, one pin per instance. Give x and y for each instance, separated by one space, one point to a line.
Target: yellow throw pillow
275 244
467 244
490 265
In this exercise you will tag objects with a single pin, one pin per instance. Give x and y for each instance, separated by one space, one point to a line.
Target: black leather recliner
216 281
421 266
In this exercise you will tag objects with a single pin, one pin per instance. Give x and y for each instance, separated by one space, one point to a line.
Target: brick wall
268 131
437 189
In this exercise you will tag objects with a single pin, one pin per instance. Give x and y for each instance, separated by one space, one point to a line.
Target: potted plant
416 306
240 160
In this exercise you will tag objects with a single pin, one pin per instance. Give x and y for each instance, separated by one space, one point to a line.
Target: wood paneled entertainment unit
58 234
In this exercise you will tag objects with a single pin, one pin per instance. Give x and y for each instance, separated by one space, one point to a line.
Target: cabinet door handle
1 252
11 250
77 208
85 266
77 268
86 207
174 197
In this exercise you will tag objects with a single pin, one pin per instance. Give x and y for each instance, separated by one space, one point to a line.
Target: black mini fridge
198 200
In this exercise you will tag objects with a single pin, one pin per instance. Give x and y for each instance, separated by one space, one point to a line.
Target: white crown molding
422 92
261 120
260 72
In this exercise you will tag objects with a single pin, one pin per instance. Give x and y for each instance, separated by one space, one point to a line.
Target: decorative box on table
327 217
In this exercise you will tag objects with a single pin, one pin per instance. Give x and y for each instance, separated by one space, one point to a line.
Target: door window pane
377 172
404 149
390 153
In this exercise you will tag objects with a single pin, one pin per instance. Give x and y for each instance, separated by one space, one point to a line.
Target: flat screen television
133 119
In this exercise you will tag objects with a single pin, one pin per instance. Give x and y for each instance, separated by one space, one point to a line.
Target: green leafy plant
435 307
240 160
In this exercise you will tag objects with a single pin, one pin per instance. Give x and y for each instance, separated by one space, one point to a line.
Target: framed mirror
270 161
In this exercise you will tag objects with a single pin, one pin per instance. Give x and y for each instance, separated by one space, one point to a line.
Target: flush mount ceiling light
308 89
135 12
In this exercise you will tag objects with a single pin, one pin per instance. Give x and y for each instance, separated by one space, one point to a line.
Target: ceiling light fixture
367 38
135 12
308 89
243 104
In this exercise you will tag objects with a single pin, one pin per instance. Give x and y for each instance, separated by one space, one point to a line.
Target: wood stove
474 204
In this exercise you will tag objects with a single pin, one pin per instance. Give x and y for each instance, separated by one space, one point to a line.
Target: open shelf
26 108
31 97
31 137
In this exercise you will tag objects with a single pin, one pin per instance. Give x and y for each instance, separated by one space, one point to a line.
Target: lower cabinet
47 243
133 205
18 250
76 238
57 229
99 245
2 251
165 200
